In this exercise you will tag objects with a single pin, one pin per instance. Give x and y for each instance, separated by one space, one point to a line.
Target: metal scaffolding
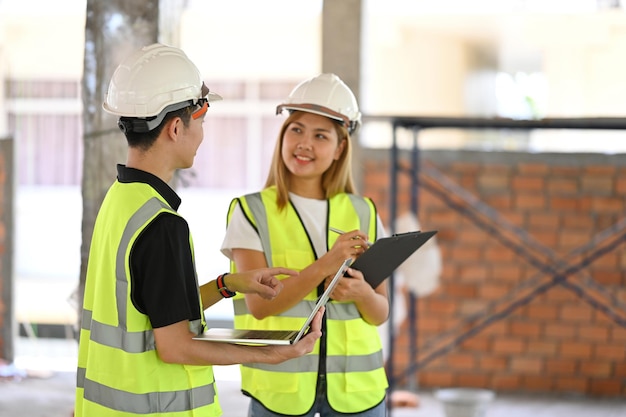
567 271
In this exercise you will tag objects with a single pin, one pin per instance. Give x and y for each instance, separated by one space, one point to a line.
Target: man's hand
304 345
258 281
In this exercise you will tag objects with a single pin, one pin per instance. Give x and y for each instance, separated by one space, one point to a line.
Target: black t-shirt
163 277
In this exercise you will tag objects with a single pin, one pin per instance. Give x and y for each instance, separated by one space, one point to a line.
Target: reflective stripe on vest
101 336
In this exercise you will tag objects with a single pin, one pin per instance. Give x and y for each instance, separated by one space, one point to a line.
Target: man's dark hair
144 140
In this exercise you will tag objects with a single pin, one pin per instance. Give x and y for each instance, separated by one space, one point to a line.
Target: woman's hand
351 288
348 245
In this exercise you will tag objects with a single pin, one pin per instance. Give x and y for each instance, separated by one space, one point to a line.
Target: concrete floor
46 389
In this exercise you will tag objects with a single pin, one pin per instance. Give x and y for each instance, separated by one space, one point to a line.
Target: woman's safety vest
119 370
355 374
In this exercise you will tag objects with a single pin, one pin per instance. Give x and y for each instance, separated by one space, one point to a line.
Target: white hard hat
326 95
153 79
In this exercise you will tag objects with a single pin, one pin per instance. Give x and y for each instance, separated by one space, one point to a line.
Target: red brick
545 220
493 182
497 253
562 186
595 185
492 291
608 204
467 168
607 277
514 217
608 386
493 363
537 383
461 360
556 294
447 307
597 368
561 366
618 334
597 333
431 324
533 168
506 382
572 384
497 329
499 202
436 378
542 311
577 221
558 204
506 273
578 350
532 330
542 348
466 253
477 344
529 201
607 260
496 168
473 273
560 331
610 352
573 238
444 217
509 346
528 183
575 313
548 238
620 185
460 290
525 365
473 236
620 370
471 307
605 170
473 380
565 171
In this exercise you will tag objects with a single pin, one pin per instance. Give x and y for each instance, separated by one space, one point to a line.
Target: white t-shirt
241 235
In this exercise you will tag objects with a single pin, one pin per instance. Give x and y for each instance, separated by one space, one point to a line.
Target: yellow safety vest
356 379
119 370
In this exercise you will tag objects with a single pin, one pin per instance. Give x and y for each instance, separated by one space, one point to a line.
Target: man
142 303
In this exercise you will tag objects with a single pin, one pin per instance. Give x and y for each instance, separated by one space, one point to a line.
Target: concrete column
341 55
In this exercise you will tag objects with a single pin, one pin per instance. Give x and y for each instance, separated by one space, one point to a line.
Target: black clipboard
388 253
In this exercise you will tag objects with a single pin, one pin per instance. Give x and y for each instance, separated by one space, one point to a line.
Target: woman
308 192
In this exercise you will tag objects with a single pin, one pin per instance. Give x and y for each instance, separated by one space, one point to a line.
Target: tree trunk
113 30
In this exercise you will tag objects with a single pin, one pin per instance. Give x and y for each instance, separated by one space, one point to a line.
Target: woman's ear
340 149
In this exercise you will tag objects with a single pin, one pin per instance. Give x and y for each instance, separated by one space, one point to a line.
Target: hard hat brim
316 109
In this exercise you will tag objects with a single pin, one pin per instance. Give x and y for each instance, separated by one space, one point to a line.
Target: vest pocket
276 382
366 381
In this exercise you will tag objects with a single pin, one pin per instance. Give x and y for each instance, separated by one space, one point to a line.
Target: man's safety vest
355 374
119 370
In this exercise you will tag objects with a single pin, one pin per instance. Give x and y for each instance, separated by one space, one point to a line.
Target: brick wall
532 296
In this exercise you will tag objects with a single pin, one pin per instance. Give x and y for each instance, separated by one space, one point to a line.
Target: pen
341 232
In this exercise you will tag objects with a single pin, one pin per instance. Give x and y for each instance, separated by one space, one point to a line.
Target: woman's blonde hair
337 178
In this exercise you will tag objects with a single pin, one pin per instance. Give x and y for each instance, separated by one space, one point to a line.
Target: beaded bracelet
221 287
